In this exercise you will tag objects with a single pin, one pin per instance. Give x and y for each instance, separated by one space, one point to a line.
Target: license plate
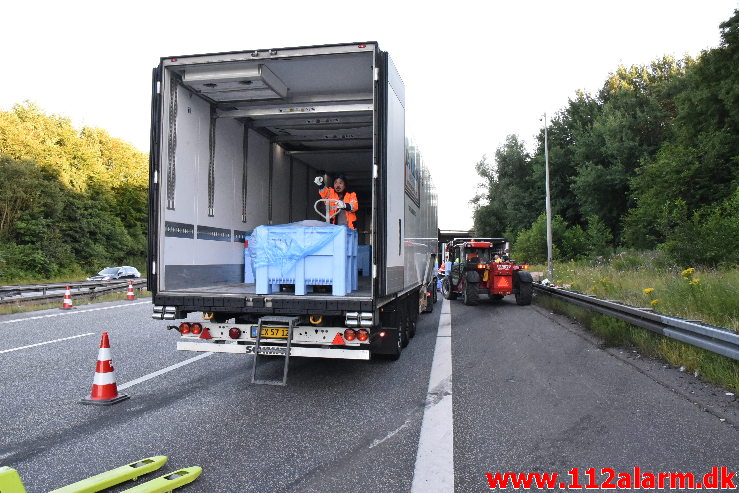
271 332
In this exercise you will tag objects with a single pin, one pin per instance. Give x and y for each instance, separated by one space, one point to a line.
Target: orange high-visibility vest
349 198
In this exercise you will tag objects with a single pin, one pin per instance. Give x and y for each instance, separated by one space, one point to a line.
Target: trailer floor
364 290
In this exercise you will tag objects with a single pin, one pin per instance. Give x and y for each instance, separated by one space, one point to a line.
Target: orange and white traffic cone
129 295
104 389
67 303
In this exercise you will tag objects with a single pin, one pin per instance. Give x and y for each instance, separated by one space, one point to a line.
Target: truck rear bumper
310 352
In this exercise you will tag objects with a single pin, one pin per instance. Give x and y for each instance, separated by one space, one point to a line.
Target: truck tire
403 325
471 295
525 293
446 289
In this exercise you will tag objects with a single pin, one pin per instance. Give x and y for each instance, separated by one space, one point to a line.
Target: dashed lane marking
434 470
163 371
44 343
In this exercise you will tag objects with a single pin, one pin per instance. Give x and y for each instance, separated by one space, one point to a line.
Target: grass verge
78 301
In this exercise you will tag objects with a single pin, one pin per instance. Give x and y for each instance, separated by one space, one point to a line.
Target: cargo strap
10 481
290 323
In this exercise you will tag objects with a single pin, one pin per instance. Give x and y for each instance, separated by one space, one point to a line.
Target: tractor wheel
446 289
525 292
471 295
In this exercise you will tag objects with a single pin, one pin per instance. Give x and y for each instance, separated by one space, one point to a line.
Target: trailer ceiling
306 103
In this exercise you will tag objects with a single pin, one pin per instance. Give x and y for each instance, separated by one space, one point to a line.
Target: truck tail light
184 328
362 335
480 266
196 328
234 332
206 334
350 334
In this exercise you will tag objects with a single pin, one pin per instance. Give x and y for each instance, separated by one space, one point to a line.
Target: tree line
651 161
73 201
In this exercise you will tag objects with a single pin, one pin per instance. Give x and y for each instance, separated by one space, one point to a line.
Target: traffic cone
129 295
104 389
67 303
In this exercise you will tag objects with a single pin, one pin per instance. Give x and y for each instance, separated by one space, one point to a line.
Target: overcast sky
474 71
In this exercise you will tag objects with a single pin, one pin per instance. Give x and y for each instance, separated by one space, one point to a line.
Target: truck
481 266
237 140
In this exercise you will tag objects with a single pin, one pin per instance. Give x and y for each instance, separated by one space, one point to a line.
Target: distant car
113 273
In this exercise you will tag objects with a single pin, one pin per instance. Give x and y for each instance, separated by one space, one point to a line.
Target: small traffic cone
129 295
104 389
67 303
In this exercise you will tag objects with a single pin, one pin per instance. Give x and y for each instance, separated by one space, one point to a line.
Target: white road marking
44 343
434 471
73 312
163 371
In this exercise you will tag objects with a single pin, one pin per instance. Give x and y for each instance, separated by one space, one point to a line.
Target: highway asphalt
532 393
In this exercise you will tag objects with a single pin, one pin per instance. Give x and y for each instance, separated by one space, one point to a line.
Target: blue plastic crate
364 259
280 258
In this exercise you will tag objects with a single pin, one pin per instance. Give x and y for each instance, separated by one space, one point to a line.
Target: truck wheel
471 295
446 290
399 344
525 292
403 329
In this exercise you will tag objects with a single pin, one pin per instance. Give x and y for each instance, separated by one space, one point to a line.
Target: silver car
113 273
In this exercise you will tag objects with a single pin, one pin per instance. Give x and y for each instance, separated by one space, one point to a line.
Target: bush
710 237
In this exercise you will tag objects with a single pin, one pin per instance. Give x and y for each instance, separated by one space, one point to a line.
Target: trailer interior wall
198 245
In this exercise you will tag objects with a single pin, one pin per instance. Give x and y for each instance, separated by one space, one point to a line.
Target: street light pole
549 204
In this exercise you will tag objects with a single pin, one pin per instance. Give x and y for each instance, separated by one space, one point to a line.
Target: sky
475 71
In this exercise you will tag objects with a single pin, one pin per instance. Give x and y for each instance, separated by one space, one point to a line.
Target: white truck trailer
236 142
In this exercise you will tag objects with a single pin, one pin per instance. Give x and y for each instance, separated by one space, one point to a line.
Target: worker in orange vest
344 201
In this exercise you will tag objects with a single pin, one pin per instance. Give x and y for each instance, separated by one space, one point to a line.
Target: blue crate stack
334 264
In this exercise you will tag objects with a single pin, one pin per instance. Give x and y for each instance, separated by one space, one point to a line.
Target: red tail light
350 335
184 328
196 328
382 333
234 332
362 335
480 266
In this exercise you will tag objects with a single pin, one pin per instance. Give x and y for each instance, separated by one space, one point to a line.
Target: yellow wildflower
687 273
654 302
648 290
695 282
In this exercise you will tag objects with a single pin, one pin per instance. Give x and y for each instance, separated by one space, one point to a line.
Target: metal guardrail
85 289
710 337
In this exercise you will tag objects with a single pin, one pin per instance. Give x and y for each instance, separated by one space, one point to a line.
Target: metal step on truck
238 141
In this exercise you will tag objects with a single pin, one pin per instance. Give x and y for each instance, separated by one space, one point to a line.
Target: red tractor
476 266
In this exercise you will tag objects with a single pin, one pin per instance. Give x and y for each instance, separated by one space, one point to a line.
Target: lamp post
549 204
